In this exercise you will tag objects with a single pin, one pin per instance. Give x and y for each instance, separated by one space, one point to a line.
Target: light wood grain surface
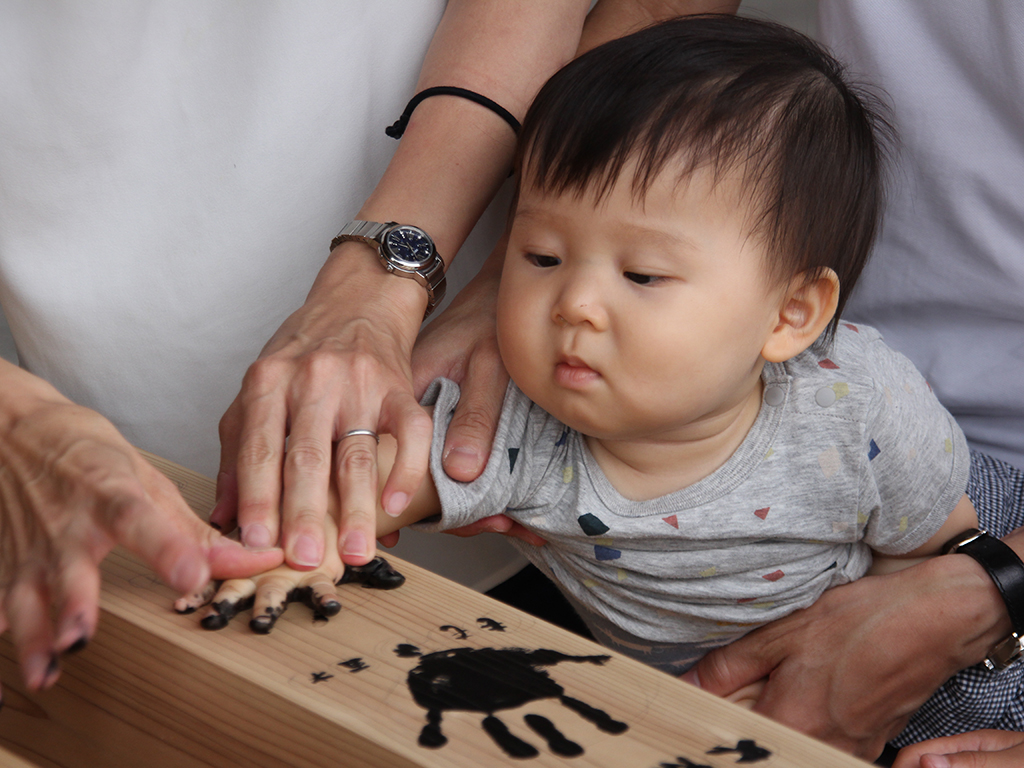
154 690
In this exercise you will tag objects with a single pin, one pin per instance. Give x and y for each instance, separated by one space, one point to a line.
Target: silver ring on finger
354 432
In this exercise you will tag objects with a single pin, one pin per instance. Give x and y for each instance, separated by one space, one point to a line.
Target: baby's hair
725 93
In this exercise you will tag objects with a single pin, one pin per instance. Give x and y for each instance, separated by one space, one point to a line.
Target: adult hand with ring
336 372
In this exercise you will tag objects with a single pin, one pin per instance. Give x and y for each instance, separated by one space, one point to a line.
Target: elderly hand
339 363
71 487
852 668
976 749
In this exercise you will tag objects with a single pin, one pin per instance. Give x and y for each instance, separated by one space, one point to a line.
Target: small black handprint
489 680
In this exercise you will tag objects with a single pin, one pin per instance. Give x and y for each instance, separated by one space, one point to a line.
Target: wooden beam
155 690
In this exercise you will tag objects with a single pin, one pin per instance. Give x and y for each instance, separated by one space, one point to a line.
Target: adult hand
71 487
976 749
339 363
462 345
854 666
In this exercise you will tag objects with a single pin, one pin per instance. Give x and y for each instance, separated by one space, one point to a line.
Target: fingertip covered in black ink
214 621
330 608
376 574
262 625
77 646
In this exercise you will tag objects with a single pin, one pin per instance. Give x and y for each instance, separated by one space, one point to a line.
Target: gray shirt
850 452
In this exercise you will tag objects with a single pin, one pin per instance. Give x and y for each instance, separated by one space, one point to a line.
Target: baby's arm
960 519
270 592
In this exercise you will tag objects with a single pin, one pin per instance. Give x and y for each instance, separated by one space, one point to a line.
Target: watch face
410 246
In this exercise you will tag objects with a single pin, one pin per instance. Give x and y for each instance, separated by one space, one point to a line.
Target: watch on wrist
404 250
1007 572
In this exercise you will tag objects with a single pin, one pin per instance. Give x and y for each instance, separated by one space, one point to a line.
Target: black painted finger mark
557 742
329 606
490 624
376 574
460 634
77 646
598 717
747 749
319 677
431 735
224 611
504 738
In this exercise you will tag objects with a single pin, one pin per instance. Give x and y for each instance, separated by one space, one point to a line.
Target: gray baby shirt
850 452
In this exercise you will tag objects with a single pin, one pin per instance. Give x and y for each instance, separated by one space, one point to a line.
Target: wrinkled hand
854 666
268 594
976 749
71 487
339 363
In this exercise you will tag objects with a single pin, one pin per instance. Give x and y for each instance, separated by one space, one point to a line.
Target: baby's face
628 318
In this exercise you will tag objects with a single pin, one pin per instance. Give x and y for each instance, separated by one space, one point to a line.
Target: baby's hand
268 594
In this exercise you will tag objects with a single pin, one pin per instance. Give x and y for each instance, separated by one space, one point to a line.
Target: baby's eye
543 261
639 279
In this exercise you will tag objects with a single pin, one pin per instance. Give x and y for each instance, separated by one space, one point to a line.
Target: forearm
455 153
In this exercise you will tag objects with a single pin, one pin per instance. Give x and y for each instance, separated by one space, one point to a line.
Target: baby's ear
807 307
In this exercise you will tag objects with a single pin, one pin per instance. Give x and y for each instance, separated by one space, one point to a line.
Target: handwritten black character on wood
747 749
492 679
354 665
459 632
490 624
319 677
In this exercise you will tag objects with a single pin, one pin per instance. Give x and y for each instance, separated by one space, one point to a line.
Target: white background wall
797 13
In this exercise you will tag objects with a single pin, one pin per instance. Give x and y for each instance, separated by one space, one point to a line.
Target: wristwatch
1007 572
404 250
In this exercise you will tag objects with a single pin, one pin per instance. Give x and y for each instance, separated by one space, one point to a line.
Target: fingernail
257 536
306 552
691 677
461 458
396 504
935 761
355 544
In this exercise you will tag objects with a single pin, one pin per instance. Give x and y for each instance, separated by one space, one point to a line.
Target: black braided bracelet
395 131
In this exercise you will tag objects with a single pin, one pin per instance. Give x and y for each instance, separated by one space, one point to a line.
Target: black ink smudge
406 651
376 574
460 634
490 624
355 665
747 749
319 677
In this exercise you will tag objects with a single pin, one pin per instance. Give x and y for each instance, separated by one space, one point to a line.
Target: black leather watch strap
1002 564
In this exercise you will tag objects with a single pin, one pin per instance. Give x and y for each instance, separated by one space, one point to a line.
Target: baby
702 443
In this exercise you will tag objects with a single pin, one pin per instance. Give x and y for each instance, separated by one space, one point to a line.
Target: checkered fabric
977 698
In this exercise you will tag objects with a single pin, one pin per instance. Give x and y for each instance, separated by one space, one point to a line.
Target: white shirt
171 176
946 282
